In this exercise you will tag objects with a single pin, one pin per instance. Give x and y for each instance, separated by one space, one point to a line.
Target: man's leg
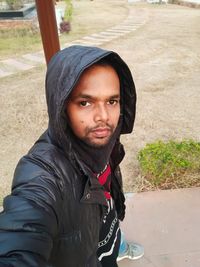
111 260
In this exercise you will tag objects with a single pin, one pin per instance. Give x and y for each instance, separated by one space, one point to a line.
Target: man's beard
87 140
94 144
93 153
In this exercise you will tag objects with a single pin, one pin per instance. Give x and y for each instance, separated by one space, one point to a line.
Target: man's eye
113 102
84 103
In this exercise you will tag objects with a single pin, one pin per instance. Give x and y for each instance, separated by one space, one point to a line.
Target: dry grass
142 184
20 40
164 58
23 118
94 16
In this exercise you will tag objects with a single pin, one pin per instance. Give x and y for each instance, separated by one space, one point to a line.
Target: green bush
68 10
169 165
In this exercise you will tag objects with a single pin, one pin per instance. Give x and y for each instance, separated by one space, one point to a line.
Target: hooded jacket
53 215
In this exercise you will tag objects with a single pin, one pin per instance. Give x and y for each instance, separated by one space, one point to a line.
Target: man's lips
101 132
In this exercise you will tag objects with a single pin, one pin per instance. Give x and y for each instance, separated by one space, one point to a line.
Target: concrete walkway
167 224
28 61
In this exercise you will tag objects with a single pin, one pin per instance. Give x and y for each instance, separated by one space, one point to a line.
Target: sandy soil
164 56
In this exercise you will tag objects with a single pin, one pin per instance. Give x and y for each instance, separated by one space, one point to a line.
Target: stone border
20 13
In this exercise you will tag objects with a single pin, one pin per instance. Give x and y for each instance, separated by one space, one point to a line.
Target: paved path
29 61
167 223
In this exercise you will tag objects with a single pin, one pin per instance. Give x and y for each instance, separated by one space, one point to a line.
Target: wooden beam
48 27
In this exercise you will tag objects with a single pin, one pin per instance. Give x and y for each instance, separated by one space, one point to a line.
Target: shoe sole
130 258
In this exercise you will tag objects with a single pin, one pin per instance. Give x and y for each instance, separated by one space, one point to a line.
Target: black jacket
53 215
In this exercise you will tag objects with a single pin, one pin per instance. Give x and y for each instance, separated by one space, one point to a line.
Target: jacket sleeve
29 223
117 183
117 193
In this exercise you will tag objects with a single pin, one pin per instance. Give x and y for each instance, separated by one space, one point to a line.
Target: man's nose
101 113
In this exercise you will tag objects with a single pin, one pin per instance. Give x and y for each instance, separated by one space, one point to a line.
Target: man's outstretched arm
28 224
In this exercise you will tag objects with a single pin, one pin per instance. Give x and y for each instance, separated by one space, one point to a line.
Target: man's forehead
97 81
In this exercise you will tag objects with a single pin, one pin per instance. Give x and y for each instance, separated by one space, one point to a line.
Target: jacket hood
63 72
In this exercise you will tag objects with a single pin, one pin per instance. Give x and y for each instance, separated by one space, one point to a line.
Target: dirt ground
164 57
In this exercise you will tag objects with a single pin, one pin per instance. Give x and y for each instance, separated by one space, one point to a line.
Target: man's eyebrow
115 96
86 96
83 96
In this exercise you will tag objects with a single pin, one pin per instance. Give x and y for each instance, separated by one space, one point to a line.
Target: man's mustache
101 126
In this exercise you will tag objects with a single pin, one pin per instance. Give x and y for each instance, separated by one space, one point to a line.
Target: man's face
93 107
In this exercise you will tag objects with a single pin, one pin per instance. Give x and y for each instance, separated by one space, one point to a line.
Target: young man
67 197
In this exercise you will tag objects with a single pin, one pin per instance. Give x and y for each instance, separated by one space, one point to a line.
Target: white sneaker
133 252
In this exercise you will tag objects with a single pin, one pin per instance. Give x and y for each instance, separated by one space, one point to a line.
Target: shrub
65 25
68 10
172 164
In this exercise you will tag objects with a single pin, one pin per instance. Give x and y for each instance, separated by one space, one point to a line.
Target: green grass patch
18 41
170 165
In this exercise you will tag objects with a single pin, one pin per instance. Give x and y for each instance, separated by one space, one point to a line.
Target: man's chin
98 143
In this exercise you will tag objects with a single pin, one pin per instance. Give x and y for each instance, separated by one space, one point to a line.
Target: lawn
25 38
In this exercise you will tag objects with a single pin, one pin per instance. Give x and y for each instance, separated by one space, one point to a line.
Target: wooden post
48 27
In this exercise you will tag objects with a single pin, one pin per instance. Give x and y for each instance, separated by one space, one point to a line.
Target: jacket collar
93 190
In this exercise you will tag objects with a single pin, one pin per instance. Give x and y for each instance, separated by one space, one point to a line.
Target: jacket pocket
65 250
